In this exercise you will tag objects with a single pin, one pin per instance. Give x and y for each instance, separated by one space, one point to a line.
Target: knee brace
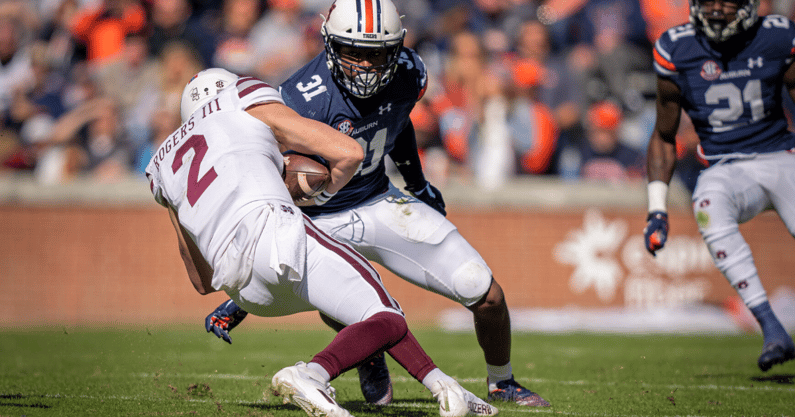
471 281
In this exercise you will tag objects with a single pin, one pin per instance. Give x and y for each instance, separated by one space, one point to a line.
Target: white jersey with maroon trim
221 171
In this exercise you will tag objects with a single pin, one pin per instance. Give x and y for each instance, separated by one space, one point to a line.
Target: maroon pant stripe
355 259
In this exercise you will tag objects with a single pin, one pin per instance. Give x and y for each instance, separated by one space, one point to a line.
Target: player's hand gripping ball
306 177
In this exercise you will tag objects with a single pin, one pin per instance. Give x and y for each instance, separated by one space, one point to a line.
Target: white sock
320 370
434 376
498 373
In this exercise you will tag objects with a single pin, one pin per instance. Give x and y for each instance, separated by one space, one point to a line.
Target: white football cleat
455 401
305 388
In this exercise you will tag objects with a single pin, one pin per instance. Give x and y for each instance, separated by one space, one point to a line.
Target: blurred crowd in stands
563 88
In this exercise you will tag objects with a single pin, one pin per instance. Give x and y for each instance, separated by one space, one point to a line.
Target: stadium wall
111 260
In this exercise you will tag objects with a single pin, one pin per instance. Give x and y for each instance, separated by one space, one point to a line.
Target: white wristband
323 198
657 193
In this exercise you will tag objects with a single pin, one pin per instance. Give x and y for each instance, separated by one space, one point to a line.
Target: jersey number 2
196 185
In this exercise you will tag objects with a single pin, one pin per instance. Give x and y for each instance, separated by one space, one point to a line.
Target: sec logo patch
345 126
710 71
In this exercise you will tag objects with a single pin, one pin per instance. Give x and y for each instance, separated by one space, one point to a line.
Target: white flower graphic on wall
592 251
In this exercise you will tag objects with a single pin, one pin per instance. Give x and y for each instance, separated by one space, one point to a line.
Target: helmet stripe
368 16
248 85
378 15
358 16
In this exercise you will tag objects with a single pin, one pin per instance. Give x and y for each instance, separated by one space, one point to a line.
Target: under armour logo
757 61
388 108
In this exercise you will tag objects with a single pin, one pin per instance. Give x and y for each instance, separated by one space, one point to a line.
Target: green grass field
181 371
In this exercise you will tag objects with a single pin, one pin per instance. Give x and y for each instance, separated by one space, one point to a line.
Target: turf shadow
390 410
357 407
720 376
784 379
4 403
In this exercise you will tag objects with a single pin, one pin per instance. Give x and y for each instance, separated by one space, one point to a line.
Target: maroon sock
356 343
410 355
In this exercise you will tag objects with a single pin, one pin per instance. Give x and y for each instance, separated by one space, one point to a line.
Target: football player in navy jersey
726 69
365 85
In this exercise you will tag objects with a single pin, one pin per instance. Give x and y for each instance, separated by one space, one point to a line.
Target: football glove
429 195
656 231
225 318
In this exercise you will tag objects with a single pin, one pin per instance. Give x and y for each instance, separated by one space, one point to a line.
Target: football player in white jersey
220 177
365 85
726 70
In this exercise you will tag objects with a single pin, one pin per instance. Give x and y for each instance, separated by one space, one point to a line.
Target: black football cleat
776 353
511 391
375 381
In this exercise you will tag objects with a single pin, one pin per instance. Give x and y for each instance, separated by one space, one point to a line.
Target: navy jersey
374 122
734 99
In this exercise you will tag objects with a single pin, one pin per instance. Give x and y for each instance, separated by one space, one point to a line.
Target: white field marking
210 376
527 381
142 398
531 410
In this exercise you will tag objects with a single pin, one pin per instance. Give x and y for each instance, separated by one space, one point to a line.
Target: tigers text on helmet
203 87
368 26
719 30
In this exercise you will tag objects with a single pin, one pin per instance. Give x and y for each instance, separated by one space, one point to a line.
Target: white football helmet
365 24
718 30
203 87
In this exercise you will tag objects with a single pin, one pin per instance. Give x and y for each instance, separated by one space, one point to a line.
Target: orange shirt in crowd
103 33
662 15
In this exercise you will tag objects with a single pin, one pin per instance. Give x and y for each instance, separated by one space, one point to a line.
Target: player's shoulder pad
252 90
308 90
413 68
778 30
777 23
673 41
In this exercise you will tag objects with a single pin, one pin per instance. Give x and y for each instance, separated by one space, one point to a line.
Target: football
305 176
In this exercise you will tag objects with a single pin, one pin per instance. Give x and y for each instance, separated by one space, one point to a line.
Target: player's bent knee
391 325
471 281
